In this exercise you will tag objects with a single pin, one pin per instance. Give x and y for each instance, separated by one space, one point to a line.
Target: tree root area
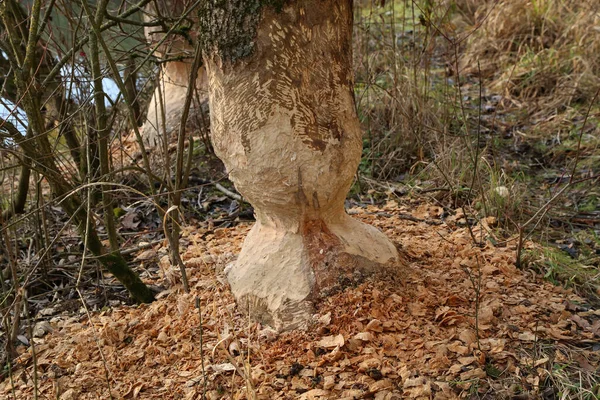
463 321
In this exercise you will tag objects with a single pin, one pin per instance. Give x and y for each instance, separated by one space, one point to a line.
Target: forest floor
460 321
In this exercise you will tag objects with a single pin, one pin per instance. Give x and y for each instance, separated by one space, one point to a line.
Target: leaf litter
463 320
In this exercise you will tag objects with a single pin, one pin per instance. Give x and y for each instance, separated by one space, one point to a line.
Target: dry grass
425 73
541 54
486 100
397 92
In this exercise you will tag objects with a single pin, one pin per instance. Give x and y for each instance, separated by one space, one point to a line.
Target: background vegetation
490 107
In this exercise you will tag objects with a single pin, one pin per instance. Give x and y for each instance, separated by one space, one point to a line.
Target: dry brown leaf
335 355
582 323
375 325
486 315
369 364
466 360
584 363
146 255
417 310
219 368
556 333
596 328
458 348
364 336
328 382
414 382
380 385
314 394
476 373
541 361
468 337
527 337
419 387
329 342
455 301
455 369
325 319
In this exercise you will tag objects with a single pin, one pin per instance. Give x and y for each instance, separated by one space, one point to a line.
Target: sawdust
463 320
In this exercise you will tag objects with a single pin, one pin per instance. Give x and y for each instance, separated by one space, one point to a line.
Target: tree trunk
174 74
131 86
19 201
284 122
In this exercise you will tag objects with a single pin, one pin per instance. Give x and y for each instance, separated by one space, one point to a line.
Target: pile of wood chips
428 336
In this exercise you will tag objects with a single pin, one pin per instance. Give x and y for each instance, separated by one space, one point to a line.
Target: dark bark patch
246 142
228 27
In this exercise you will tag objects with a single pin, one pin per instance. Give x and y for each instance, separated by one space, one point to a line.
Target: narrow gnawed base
280 275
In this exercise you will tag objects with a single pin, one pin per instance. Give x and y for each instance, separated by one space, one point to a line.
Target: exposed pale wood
173 77
283 121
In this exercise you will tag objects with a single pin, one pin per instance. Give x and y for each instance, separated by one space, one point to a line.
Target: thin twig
228 192
198 306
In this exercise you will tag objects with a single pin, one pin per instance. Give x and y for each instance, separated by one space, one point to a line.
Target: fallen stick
228 192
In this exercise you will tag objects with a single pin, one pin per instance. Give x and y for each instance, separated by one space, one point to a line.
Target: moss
228 27
116 265
276 4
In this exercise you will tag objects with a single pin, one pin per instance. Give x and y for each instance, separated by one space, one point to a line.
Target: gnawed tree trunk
177 54
284 122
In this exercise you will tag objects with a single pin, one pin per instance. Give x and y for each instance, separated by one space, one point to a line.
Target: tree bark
283 120
103 132
131 86
19 201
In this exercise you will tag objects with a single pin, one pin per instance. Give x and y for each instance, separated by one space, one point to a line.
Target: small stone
162 337
69 395
46 312
41 329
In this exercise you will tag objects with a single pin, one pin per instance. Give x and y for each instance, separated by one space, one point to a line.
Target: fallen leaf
417 310
364 336
527 337
472 374
331 341
584 363
325 319
468 337
582 323
541 361
328 382
466 360
375 326
146 255
219 368
455 301
486 315
314 394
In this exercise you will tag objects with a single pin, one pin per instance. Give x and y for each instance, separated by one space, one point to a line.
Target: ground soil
460 321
